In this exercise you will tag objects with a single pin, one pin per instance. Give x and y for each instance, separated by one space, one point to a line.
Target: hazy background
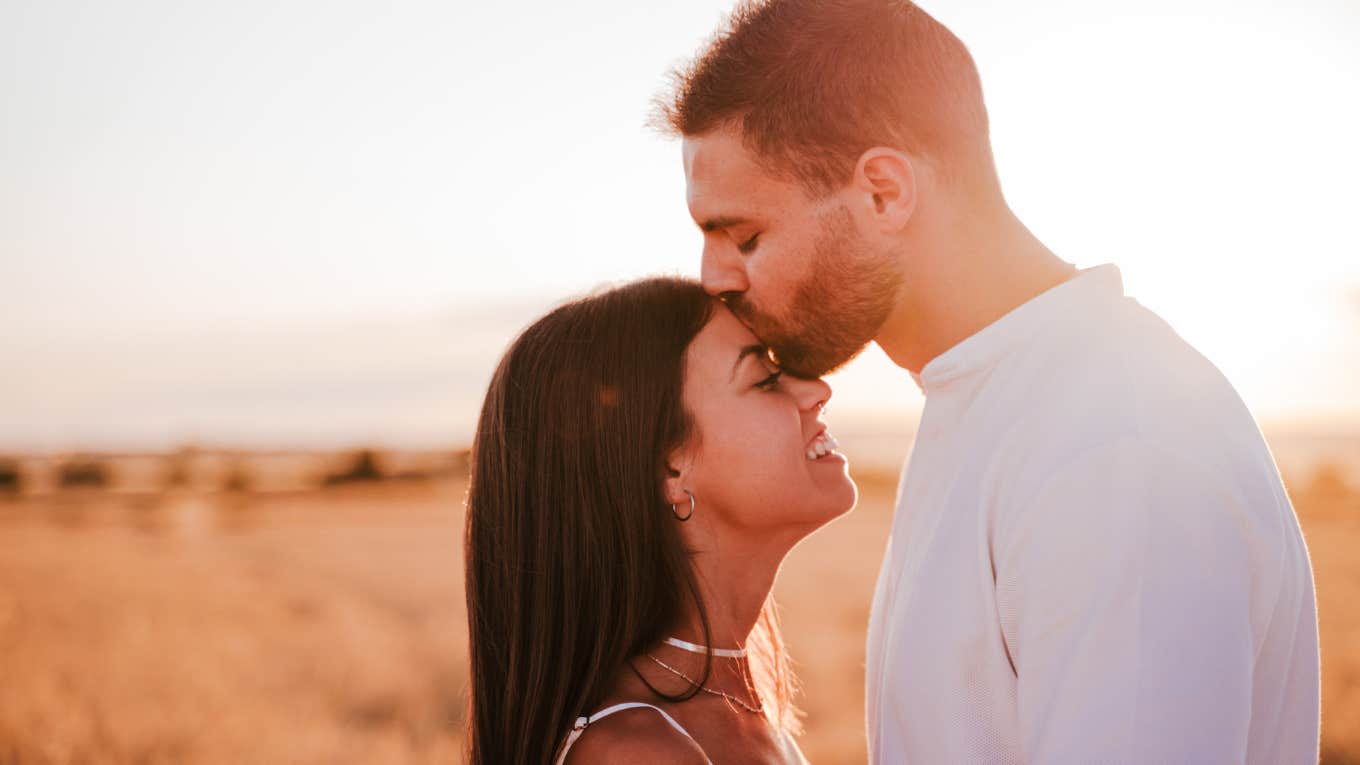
309 224
258 260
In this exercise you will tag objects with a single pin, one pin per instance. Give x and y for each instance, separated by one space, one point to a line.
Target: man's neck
967 275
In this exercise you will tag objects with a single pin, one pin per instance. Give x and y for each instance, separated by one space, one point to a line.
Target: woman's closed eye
771 382
748 246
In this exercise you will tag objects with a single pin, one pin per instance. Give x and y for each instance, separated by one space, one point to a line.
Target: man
1093 558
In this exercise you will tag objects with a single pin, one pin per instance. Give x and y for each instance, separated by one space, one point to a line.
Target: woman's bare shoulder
632 736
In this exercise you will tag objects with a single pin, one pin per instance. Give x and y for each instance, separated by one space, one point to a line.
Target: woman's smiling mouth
823 445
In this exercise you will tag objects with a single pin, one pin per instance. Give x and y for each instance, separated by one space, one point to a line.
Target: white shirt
1093 559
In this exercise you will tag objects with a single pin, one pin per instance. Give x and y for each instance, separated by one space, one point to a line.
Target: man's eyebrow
750 350
722 221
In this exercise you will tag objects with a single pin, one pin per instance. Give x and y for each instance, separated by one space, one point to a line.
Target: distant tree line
364 465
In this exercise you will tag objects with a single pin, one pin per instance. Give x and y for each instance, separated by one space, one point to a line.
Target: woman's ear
675 481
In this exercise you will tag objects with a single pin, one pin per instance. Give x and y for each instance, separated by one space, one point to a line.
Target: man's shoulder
1142 349
1129 376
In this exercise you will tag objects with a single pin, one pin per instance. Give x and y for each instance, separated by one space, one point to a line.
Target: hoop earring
691 508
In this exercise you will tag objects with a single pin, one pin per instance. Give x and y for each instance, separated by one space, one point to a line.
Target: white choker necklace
726 653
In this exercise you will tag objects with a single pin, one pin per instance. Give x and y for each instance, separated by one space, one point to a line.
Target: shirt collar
1089 287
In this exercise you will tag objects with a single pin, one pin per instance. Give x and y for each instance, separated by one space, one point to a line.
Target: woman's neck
734 580
735 585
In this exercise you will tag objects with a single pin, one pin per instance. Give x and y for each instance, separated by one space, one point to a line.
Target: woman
640 471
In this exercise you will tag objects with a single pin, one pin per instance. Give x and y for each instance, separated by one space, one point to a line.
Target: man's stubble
838 307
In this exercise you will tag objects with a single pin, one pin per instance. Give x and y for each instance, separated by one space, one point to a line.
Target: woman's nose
811 394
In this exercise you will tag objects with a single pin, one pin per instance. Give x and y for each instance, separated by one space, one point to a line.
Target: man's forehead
720 175
714 153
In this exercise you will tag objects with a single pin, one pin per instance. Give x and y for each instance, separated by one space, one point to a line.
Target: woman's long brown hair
574 560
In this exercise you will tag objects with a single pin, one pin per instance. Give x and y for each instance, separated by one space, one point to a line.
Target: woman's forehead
718 347
726 330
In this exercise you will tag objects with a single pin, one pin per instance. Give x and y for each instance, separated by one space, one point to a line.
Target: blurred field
270 622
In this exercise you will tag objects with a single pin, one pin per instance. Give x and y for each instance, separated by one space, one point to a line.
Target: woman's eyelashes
771 382
748 246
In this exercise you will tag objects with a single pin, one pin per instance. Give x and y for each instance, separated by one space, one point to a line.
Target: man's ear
886 180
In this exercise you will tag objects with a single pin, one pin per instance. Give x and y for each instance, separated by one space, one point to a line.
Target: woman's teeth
823 445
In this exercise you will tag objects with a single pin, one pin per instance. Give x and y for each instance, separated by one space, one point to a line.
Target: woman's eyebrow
750 350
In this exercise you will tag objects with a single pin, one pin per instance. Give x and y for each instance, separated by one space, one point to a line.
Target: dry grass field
326 625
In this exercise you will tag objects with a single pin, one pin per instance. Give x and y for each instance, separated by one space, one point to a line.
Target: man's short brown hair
812 84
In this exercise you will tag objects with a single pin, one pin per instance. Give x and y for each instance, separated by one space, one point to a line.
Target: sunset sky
317 224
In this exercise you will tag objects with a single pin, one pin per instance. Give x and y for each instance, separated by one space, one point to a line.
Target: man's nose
722 270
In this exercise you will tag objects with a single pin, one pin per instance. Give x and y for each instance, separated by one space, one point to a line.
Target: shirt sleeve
1123 590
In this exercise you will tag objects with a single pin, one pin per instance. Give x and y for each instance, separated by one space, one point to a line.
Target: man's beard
838 308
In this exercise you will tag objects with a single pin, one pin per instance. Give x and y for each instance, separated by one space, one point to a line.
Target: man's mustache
740 307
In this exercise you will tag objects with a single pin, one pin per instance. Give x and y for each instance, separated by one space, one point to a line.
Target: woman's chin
839 501
832 474
853 498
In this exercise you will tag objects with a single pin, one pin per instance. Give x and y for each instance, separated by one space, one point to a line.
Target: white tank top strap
584 722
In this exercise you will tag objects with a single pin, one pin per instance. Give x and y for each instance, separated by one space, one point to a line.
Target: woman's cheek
760 447
753 445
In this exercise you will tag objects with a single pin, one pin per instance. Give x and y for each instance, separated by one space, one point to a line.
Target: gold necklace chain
754 710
